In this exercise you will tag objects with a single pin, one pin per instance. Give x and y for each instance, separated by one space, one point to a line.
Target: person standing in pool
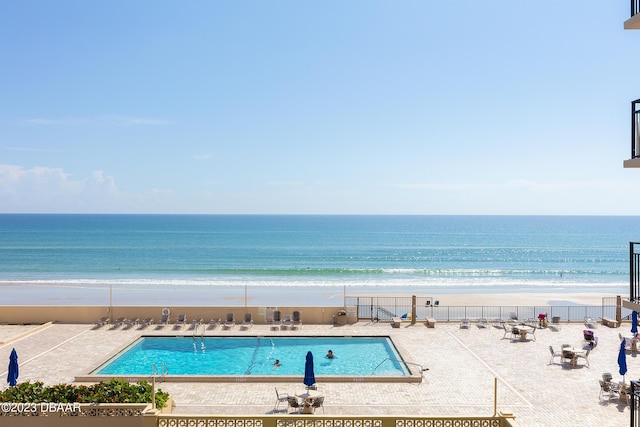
329 354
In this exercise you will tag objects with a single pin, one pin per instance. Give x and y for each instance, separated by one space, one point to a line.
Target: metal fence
635 7
385 308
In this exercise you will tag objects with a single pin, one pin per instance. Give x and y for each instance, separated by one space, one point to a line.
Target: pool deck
462 365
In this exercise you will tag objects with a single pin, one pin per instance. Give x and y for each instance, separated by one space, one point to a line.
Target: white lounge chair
230 322
181 320
296 321
286 322
277 319
248 321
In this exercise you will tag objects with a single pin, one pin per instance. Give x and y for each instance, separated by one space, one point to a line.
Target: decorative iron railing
635 125
635 7
333 421
634 271
635 404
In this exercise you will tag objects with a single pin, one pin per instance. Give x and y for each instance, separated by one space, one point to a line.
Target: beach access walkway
462 365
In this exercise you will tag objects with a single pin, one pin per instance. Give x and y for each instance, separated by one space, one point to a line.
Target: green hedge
114 391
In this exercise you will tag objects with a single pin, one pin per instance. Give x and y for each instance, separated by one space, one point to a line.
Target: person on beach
329 354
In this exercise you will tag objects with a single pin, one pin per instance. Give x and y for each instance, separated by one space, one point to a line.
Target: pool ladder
201 337
163 370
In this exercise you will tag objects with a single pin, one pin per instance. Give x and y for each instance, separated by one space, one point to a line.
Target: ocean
307 260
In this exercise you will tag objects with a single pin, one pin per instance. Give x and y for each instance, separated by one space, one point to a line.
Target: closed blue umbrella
12 376
634 322
309 376
622 359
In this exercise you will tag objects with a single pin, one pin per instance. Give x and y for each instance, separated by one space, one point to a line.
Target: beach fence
377 308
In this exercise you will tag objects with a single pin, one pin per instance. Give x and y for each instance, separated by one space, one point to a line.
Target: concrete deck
460 381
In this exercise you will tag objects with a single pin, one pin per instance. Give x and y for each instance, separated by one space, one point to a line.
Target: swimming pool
248 357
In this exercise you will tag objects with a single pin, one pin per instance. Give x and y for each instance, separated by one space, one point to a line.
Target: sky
317 107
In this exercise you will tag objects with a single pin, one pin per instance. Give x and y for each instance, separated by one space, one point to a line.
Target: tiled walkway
460 381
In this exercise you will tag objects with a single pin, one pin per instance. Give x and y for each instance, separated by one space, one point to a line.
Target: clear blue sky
345 107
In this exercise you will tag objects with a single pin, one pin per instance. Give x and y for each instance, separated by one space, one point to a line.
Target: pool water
238 356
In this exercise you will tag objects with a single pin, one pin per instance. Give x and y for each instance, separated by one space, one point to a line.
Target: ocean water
303 260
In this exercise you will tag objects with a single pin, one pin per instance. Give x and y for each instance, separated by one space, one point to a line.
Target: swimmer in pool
276 364
329 354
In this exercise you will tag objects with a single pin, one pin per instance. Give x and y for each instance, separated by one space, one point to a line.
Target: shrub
113 391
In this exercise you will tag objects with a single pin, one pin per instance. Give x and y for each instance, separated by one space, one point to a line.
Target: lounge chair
280 398
195 322
464 323
181 320
164 320
101 322
146 322
277 319
590 323
214 322
513 315
482 322
555 322
248 321
296 321
117 322
286 322
129 323
230 322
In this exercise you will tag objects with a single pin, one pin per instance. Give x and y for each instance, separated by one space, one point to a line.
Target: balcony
634 161
633 303
633 23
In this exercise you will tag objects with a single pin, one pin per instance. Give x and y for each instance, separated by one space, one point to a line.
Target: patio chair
585 356
482 322
296 321
277 319
248 321
515 333
607 388
293 404
555 322
513 315
464 323
607 377
532 334
554 354
590 323
280 398
318 402
507 331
